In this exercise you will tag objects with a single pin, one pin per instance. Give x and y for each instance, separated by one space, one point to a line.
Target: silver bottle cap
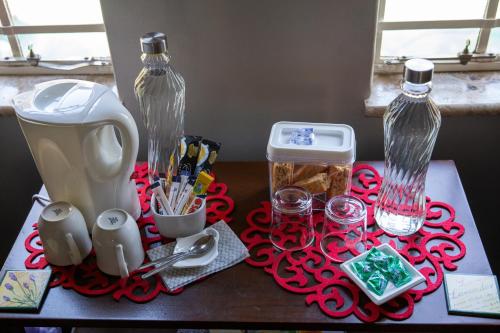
418 71
154 42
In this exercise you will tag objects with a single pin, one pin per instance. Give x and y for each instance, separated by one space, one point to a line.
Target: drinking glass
292 224
344 228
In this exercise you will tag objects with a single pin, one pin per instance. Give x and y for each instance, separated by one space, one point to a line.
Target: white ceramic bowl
391 291
176 226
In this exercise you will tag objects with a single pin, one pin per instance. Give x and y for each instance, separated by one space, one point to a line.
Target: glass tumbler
292 226
344 229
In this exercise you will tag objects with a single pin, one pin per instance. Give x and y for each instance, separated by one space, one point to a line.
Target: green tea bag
379 259
398 273
363 269
377 283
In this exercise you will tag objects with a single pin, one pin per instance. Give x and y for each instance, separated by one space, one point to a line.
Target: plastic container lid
59 101
311 142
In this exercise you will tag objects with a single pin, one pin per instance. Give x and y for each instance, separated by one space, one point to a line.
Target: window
438 30
67 35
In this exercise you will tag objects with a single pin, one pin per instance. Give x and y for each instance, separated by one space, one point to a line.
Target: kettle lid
59 101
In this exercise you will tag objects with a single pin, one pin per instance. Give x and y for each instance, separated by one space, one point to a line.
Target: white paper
473 293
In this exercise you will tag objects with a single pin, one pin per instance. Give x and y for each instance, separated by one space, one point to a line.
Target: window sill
11 85
456 94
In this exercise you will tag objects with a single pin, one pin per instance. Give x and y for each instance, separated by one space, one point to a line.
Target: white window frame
17 64
481 59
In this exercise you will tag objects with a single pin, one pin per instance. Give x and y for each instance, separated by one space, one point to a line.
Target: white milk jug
70 128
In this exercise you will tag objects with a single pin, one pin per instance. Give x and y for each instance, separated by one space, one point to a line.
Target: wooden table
246 297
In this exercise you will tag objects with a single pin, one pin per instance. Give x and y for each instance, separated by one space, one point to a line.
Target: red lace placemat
435 247
86 278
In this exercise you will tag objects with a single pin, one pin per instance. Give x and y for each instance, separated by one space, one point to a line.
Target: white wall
248 64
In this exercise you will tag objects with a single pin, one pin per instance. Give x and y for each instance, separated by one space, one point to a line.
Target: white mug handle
122 264
74 252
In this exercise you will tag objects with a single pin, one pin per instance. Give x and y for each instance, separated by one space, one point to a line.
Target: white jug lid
311 142
59 101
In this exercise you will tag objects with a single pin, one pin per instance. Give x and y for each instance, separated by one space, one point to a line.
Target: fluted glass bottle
411 125
160 91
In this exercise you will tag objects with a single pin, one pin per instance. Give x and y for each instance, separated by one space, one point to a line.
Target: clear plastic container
315 156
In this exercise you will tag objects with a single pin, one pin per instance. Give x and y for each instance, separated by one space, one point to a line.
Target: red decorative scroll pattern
86 278
435 247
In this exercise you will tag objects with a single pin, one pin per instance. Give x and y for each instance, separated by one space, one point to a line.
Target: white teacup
64 234
117 243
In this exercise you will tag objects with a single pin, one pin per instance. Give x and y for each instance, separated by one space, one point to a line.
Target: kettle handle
130 141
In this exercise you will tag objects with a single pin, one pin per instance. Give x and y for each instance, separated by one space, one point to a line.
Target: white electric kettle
70 128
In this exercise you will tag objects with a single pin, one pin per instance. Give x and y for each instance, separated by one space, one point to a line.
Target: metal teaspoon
199 248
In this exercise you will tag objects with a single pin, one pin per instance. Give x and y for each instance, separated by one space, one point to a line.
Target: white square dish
391 291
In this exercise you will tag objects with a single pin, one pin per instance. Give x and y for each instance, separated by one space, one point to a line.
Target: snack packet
377 283
190 147
187 163
207 156
379 259
363 269
397 273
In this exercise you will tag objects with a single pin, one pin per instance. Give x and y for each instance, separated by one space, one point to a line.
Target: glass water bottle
411 125
160 91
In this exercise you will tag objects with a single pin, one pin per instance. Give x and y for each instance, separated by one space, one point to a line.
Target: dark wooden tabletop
246 297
